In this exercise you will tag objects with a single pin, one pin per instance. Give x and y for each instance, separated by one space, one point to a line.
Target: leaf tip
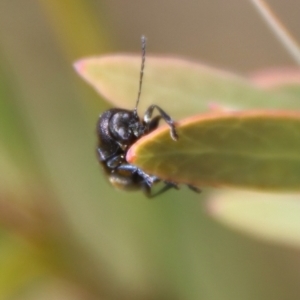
79 66
213 208
131 154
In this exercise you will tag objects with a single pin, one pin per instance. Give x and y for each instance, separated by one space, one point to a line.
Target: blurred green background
65 232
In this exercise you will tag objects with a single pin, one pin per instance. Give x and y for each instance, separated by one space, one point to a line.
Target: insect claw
174 134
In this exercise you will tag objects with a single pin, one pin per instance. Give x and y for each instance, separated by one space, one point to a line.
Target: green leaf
283 80
250 149
181 87
274 218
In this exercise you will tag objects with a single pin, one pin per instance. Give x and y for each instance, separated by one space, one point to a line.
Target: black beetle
117 130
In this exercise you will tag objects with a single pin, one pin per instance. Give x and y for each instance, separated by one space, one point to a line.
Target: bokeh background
65 233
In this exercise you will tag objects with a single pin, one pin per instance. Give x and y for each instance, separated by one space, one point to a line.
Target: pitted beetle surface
117 130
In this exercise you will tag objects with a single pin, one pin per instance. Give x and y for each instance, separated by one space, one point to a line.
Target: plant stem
277 27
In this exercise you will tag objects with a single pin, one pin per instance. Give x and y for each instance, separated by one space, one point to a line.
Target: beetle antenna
143 39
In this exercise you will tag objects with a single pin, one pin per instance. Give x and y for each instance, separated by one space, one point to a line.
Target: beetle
117 130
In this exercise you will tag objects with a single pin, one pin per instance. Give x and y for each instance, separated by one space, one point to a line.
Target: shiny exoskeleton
117 130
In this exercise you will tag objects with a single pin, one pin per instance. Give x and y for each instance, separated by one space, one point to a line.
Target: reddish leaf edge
270 114
276 77
214 115
80 66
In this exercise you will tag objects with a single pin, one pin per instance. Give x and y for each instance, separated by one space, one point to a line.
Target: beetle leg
115 161
166 117
153 124
168 185
193 188
161 191
149 180
146 189
103 154
172 184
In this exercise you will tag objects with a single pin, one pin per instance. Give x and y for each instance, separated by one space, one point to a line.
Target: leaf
181 87
250 149
274 218
285 80
275 78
